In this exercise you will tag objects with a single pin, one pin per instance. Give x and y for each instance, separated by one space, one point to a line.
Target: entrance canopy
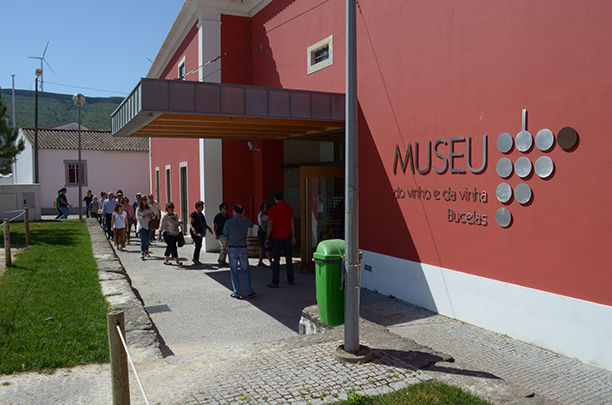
190 109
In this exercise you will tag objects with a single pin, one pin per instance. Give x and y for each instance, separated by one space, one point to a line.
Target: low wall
15 197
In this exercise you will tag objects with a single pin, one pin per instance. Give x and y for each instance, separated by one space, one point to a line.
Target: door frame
305 220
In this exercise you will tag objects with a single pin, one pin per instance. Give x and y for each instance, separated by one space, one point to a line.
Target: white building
108 163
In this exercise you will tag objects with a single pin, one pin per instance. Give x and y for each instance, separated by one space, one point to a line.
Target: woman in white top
169 228
118 224
144 213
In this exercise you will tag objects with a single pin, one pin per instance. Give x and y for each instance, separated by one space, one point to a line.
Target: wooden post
26 224
118 359
7 244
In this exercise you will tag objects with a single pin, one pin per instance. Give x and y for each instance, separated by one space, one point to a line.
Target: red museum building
485 141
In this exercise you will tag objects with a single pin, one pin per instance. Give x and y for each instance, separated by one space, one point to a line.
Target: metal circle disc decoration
567 138
522 167
544 166
505 142
544 139
504 168
503 192
524 140
522 193
503 217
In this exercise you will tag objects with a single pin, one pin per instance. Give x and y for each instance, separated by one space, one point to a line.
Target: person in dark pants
197 229
62 204
107 210
169 228
88 199
280 235
218 224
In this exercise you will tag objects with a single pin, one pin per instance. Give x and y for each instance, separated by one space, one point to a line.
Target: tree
9 147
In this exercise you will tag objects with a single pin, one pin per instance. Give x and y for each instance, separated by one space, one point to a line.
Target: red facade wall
247 175
430 70
168 151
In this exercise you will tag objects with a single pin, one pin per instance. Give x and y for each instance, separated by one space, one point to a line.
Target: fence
119 356
8 260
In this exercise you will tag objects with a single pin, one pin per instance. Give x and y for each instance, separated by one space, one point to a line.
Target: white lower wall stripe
569 326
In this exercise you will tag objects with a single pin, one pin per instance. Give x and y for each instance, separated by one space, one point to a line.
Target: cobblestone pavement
560 378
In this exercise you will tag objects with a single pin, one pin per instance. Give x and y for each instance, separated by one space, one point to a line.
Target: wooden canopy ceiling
171 108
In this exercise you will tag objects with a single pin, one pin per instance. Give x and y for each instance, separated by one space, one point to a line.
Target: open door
322 208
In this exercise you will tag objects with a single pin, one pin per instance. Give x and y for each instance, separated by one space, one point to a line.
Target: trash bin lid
331 249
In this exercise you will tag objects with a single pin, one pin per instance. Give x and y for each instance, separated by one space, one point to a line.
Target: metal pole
13 102
80 172
351 226
36 131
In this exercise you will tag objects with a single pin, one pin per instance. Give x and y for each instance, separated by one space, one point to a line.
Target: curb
116 286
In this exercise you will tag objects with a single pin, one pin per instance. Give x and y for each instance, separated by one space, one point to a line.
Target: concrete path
192 308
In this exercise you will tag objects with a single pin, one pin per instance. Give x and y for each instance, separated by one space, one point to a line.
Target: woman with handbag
170 229
144 213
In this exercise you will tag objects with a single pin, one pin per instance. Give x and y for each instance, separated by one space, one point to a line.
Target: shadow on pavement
388 311
285 304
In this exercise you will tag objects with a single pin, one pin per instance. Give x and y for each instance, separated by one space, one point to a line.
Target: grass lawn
430 392
52 312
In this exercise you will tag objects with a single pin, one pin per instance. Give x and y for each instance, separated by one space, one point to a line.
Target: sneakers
237 296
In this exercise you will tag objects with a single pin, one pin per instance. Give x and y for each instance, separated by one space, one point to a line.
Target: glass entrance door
322 208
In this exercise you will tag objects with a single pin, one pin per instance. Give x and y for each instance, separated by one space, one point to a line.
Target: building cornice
189 15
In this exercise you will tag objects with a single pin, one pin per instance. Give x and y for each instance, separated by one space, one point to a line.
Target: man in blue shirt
107 210
235 246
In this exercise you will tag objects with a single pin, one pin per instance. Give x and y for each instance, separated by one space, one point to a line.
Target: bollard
118 359
26 224
7 244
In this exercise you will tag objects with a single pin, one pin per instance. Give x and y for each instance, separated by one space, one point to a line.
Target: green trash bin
329 268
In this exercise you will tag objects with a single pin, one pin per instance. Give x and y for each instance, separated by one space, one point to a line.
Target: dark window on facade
168 186
157 184
71 172
320 55
182 71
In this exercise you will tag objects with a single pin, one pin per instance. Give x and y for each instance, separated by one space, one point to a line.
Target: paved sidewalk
557 377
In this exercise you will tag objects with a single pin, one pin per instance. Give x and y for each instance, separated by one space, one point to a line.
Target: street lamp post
79 100
38 73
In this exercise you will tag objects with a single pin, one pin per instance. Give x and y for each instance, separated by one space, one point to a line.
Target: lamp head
78 100
38 72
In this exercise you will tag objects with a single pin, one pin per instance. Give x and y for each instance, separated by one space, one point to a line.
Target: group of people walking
276 231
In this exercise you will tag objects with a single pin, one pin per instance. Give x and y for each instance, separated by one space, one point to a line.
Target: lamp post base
363 355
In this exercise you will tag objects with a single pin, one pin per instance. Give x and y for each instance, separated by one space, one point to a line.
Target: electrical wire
227 53
87 88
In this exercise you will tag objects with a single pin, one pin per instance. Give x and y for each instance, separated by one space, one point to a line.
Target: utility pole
351 351
13 102
38 74
79 100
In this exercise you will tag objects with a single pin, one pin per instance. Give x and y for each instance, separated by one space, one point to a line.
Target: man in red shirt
281 236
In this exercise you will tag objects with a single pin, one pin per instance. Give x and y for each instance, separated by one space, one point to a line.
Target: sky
93 44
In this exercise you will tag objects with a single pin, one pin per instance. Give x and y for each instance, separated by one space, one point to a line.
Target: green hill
54 108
